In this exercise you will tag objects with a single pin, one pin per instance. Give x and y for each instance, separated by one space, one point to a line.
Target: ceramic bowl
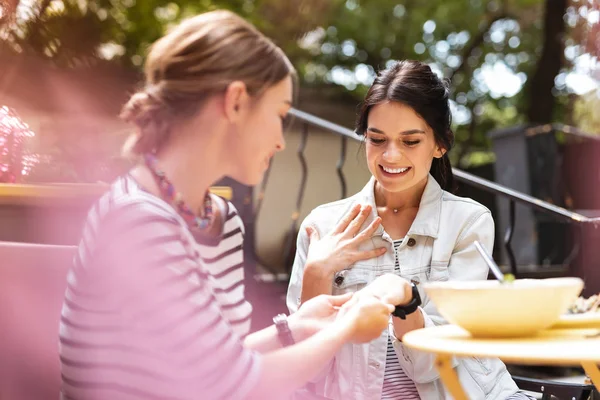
494 309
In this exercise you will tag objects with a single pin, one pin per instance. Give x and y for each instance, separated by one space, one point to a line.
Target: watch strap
406 309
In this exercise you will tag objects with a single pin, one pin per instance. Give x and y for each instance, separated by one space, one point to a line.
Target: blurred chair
32 285
553 389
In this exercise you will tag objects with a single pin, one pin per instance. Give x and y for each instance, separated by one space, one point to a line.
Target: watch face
278 318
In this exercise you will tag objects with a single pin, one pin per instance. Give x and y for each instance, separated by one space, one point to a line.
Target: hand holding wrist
299 327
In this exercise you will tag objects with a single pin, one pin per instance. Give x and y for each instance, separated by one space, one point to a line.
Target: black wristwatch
402 311
283 330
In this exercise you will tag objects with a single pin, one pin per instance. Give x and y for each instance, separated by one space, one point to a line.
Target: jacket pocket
438 271
351 279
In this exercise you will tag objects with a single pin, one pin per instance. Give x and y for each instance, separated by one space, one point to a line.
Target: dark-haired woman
410 225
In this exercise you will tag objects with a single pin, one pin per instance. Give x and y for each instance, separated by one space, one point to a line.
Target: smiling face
400 146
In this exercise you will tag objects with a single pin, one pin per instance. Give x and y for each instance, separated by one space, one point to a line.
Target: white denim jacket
438 247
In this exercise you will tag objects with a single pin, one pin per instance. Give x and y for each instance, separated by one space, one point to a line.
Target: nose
392 153
280 146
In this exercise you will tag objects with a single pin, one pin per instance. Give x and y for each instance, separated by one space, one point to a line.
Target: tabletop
553 346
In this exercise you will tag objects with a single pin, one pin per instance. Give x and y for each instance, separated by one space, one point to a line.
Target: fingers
393 298
313 234
349 304
358 221
382 304
369 231
343 224
338 301
368 254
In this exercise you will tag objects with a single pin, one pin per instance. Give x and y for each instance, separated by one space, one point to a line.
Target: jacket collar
427 221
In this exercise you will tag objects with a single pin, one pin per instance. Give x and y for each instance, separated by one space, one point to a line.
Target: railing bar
323 123
262 190
508 238
577 238
291 235
521 197
303 165
340 166
257 259
571 130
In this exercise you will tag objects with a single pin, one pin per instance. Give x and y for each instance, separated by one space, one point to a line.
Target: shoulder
460 207
462 215
119 213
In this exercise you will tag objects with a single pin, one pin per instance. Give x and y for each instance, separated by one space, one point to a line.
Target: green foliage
339 44
585 113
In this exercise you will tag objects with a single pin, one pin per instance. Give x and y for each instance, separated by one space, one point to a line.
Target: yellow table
554 347
27 194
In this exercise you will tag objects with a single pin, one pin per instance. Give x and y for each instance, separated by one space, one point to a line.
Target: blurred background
68 63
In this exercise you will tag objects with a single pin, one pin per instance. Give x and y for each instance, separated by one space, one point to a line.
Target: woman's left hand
315 314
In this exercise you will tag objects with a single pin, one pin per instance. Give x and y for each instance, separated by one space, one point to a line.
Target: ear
236 100
439 152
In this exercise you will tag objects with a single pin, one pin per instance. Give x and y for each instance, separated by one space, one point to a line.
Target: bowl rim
518 284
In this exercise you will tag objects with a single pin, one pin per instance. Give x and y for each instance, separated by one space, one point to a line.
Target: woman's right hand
339 249
390 288
365 318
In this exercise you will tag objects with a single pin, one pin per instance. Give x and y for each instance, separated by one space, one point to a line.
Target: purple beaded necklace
175 198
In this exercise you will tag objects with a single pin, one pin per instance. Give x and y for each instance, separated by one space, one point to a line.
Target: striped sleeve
224 261
140 318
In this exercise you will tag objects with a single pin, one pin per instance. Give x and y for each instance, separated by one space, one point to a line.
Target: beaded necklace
175 198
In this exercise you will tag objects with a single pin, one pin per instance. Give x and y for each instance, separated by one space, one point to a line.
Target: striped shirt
224 260
142 317
396 384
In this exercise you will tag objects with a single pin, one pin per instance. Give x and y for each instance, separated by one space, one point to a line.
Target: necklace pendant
178 198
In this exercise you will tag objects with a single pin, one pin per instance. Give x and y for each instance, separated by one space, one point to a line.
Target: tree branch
541 100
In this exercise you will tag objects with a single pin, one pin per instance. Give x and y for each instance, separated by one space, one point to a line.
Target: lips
395 171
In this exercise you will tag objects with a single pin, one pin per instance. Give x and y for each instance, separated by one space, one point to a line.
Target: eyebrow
408 132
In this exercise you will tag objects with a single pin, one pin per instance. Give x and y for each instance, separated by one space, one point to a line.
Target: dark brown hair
414 83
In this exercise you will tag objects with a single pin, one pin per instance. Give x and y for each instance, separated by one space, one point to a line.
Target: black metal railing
308 120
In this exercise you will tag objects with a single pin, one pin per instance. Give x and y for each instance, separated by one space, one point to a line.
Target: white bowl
493 309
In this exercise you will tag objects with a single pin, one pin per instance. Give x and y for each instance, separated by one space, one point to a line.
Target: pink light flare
15 161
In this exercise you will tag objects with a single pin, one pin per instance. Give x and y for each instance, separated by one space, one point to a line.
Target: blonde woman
143 318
